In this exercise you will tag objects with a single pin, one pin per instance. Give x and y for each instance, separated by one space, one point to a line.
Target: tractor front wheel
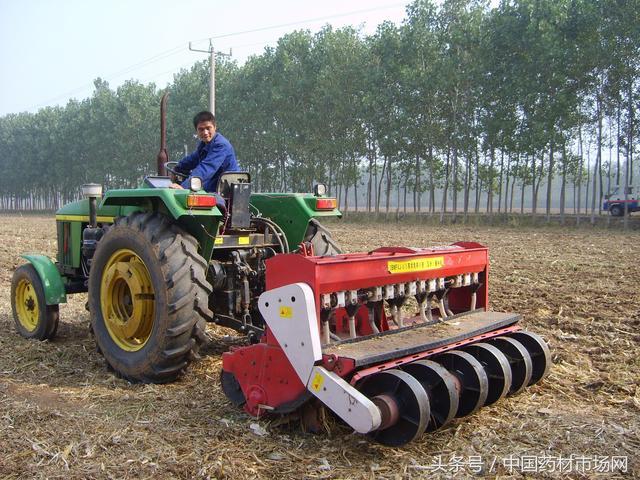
148 297
33 317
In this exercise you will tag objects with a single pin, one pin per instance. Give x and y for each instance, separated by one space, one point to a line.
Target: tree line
461 108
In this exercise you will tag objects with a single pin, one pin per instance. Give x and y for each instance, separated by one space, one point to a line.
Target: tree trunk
432 183
596 168
587 184
379 182
346 197
534 190
417 190
388 190
454 183
492 156
443 207
406 182
580 172
564 182
370 180
500 180
523 188
356 179
550 181
513 184
629 170
477 158
467 184
618 149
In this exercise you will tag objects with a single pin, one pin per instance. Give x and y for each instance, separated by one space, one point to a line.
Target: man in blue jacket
213 156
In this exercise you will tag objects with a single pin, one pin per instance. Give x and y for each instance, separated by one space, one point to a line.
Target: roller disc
519 360
401 394
539 351
440 386
497 368
474 384
231 388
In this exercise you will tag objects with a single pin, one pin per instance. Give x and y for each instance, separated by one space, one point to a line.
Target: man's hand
176 186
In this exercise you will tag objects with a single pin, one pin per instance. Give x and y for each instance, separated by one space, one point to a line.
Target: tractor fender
52 284
291 211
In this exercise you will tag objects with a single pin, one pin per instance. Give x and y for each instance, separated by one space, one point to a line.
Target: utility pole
212 83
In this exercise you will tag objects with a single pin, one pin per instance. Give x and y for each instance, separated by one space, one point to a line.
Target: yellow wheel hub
127 300
27 306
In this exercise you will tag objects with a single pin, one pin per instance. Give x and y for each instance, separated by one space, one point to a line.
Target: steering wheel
175 175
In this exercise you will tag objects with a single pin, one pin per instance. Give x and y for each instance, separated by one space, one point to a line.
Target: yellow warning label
415 265
218 241
286 312
243 241
316 383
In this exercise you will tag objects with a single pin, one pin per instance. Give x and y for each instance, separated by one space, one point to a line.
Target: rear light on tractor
326 203
201 201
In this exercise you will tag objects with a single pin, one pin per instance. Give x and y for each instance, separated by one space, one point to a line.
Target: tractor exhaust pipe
163 156
92 234
92 191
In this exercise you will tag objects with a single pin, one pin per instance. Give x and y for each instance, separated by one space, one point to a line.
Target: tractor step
402 342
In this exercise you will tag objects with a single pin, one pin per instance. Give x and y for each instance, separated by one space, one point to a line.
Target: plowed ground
64 415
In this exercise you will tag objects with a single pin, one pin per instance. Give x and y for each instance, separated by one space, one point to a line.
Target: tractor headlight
195 184
320 189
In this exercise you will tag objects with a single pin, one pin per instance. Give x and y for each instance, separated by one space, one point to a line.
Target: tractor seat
235 189
229 178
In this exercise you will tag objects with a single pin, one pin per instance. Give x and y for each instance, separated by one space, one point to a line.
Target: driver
213 156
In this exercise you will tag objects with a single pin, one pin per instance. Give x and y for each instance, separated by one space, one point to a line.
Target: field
64 415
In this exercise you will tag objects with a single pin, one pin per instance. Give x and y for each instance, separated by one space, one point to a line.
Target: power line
130 68
300 22
177 49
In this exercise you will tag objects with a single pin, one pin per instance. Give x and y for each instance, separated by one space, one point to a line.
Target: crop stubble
63 414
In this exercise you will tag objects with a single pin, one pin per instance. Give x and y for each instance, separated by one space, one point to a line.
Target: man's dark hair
204 116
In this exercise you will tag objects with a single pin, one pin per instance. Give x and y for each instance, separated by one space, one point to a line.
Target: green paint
71 256
167 200
201 223
291 211
81 207
52 284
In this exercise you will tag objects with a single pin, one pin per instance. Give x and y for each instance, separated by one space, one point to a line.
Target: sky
53 50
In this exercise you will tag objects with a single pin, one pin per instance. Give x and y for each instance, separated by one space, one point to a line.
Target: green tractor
396 341
160 263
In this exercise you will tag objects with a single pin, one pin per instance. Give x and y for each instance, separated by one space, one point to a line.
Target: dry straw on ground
64 415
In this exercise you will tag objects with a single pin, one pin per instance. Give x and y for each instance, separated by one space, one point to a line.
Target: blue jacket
209 161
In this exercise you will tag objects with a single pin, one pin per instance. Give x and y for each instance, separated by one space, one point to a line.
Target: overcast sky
52 50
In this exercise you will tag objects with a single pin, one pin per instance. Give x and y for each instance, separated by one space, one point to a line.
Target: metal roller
232 389
440 386
497 367
473 381
403 404
539 352
519 360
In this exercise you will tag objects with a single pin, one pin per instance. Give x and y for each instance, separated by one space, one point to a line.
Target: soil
63 414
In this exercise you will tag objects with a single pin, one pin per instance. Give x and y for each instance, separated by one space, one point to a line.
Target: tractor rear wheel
33 317
148 297
320 237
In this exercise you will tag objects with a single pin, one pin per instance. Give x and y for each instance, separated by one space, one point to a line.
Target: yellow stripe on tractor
84 218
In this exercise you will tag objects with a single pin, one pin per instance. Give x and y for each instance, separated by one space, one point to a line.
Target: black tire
174 305
320 237
616 210
32 316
